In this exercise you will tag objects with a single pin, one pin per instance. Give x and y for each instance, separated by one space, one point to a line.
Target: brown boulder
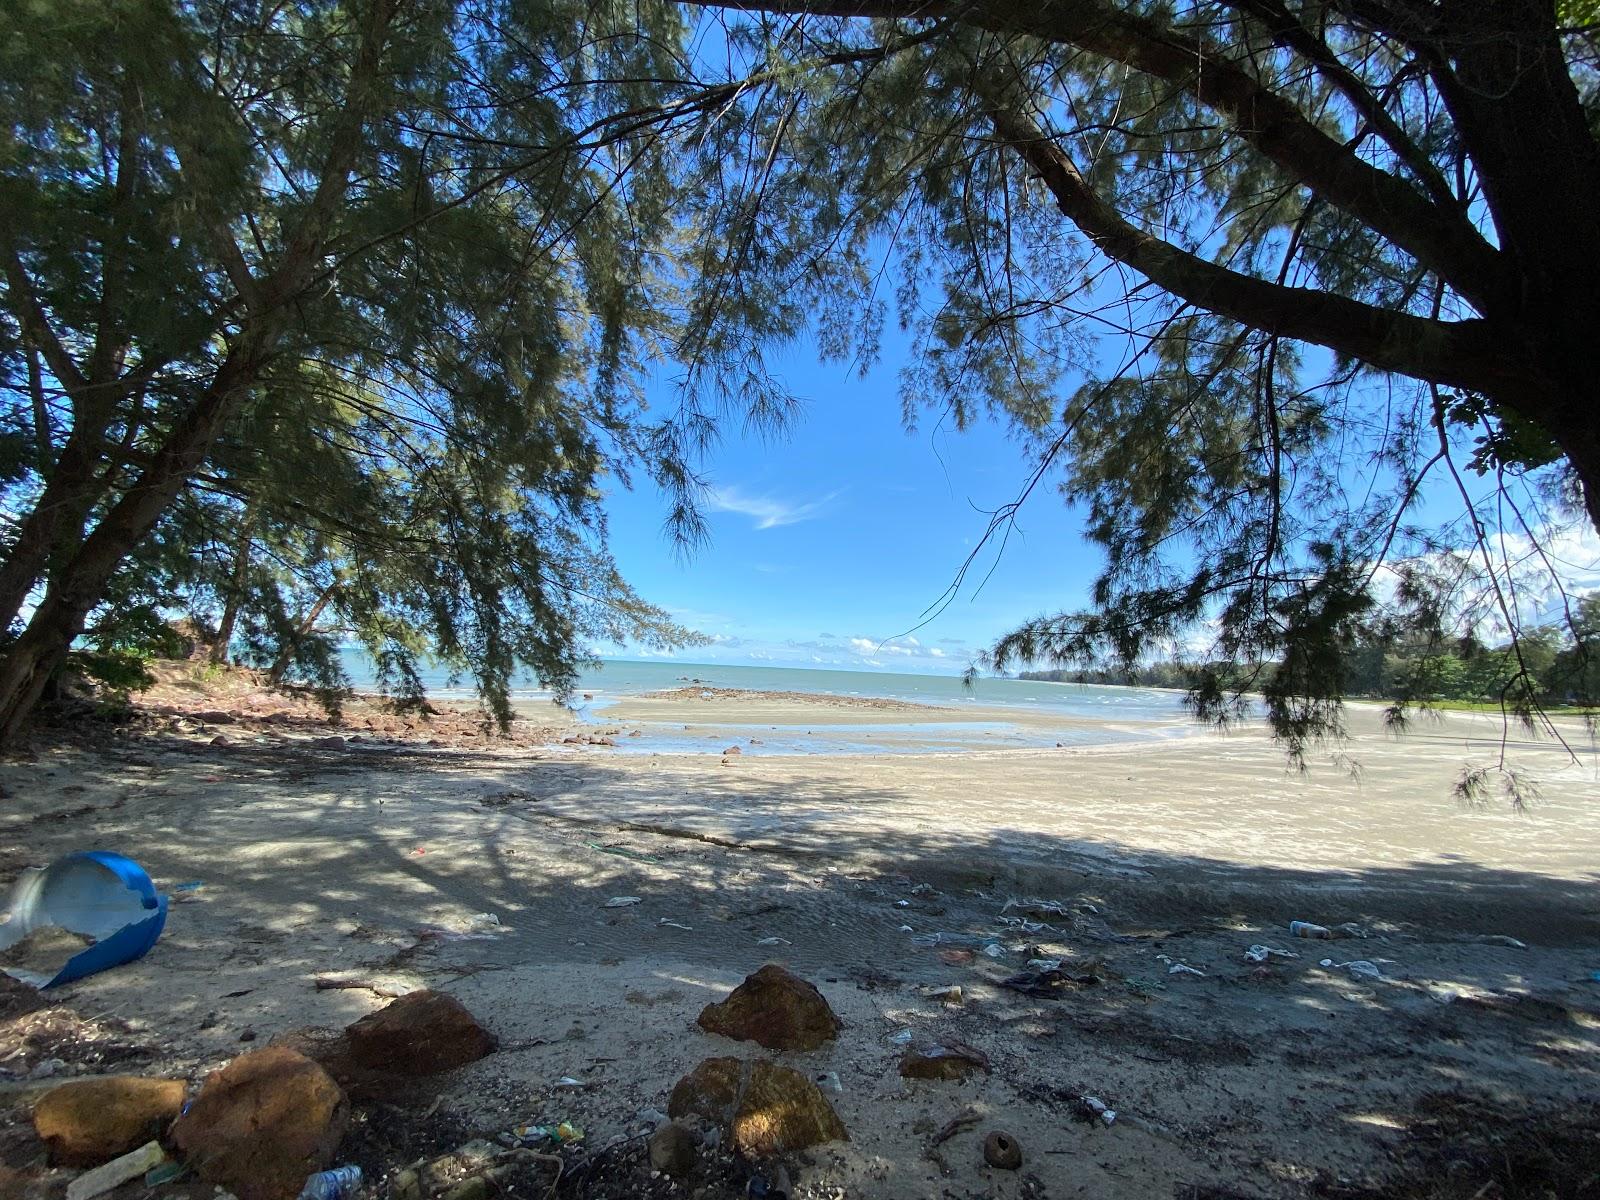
91 1121
422 1033
773 1008
763 1108
262 1124
953 1061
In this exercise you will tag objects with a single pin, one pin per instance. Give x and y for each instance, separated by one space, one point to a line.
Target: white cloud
863 645
935 652
766 511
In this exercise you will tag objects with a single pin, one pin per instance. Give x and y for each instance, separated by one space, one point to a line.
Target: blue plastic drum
99 894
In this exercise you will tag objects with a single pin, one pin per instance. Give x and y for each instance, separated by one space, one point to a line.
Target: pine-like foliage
330 319
1295 299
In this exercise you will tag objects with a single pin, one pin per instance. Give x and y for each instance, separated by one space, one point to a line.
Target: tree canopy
331 307
1294 297
348 305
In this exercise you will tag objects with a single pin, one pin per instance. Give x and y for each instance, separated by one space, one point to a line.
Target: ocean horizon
618 677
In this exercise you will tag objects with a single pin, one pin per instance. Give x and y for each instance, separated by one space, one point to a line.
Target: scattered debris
116 1172
623 901
338 1184
1305 929
1261 954
1358 968
669 923
1092 1108
774 941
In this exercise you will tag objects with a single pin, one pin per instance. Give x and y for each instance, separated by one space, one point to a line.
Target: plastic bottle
1306 929
338 1184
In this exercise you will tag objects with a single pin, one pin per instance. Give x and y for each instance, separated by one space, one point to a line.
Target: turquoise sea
1046 713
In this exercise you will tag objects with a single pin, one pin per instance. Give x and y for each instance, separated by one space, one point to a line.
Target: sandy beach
373 860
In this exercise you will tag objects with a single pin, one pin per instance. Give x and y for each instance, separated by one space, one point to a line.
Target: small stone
672 1150
248 1035
91 1121
422 1033
952 1061
262 1124
773 1008
1002 1150
334 742
221 741
732 750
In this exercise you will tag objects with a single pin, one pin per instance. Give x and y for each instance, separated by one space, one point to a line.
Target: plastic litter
1305 929
166 1172
337 1184
905 929
116 1172
564 1133
901 1037
567 1081
828 1081
623 901
1359 968
1098 1110
671 924
1179 968
1261 954
902 904
774 941
103 897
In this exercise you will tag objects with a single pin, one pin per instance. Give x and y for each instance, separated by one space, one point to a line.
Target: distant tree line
1562 668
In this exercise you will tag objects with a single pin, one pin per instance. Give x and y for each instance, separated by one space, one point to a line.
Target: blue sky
828 544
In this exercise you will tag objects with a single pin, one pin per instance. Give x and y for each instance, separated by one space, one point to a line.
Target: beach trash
97 908
337 1184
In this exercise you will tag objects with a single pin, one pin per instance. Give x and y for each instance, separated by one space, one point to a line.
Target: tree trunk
55 523
287 651
77 585
235 598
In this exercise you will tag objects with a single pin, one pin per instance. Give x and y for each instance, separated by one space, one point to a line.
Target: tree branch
1460 354
1441 239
